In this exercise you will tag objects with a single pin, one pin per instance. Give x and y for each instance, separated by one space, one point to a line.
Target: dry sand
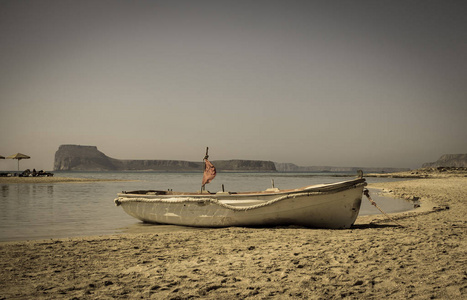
374 260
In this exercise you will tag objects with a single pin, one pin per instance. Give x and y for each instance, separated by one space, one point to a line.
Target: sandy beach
376 259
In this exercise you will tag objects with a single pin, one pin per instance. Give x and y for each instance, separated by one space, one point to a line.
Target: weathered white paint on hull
333 209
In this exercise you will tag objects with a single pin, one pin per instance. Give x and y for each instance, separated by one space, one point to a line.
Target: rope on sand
367 194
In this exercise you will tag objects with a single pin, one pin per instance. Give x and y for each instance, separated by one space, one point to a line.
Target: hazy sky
341 83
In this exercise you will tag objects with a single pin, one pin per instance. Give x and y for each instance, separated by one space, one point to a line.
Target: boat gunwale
312 189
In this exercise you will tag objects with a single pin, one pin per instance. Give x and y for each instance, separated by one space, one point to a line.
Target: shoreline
7 180
441 172
144 228
374 259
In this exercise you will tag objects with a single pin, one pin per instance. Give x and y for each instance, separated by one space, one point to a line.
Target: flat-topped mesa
289 167
88 158
81 158
245 165
449 160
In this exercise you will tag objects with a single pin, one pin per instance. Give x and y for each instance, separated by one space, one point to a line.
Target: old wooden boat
334 205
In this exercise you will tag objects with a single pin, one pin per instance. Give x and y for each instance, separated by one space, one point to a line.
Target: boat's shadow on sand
353 227
371 226
142 227
357 226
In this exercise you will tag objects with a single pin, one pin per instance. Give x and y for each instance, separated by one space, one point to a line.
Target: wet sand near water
375 259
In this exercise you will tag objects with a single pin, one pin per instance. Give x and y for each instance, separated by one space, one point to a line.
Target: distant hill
288 167
449 160
89 158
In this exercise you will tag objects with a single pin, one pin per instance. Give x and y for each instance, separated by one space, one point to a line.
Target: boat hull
331 208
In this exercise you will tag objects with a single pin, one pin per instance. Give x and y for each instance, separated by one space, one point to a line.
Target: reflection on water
39 211
42 211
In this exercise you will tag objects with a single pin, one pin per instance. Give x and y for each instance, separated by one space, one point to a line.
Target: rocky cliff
88 158
245 165
82 158
288 167
449 160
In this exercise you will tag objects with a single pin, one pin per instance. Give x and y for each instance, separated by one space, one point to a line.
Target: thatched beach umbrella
18 156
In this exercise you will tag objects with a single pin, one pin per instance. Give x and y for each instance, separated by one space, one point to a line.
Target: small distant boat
334 205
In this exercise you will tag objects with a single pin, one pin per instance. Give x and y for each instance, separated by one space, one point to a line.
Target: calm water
46 210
